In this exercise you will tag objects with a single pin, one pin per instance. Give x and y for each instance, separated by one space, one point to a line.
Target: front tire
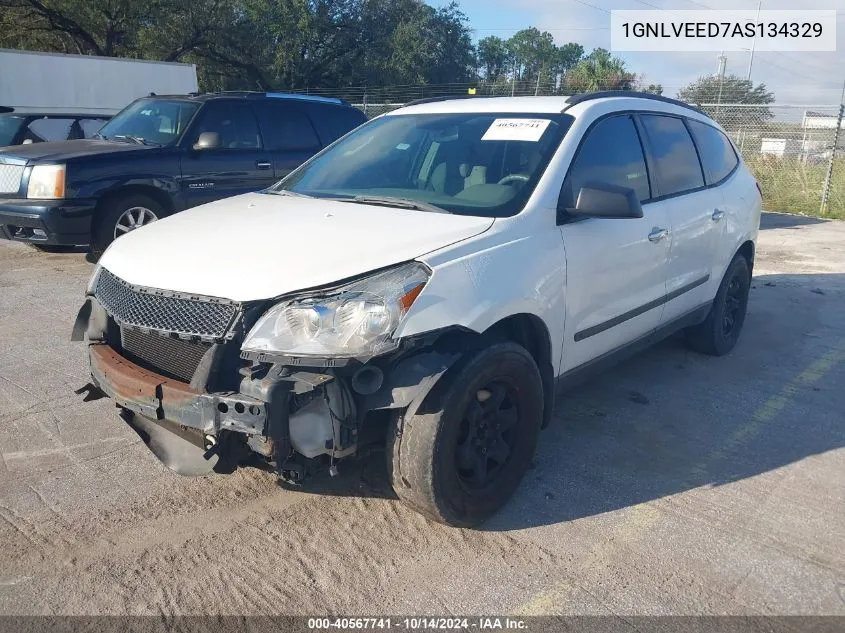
122 215
720 331
464 452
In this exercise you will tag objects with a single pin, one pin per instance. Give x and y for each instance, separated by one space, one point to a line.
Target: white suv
427 281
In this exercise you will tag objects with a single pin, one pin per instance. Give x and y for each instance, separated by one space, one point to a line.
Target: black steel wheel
460 457
487 436
720 331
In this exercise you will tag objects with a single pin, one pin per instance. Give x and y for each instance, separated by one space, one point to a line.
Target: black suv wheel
122 215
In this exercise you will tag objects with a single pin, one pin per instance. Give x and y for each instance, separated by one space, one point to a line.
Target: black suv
160 155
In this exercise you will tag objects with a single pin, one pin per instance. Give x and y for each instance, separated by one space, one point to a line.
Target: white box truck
56 83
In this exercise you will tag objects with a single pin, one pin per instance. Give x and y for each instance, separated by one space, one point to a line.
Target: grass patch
794 186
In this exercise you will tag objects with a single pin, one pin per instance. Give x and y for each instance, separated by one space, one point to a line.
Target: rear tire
121 211
464 452
718 333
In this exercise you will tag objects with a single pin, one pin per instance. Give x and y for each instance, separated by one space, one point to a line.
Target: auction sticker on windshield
516 130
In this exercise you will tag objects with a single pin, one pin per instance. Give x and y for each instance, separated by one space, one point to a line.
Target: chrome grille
204 317
172 357
10 178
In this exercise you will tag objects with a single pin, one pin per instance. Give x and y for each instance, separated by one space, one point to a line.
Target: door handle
658 234
718 214
263 164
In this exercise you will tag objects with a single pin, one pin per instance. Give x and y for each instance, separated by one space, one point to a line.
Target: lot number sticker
516 130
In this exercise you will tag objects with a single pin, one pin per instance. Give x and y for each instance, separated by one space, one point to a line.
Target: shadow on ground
787 221
669 420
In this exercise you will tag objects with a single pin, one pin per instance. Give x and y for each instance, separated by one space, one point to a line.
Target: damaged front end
174 365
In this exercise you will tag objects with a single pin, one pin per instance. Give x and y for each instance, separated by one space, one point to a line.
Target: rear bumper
48 222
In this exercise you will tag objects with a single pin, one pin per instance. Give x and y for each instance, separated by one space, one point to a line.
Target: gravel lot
673 484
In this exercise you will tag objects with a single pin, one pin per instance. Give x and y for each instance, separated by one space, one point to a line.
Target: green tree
493 57
568 57
730 89
533 52
655 89
430 46
599 71
98 27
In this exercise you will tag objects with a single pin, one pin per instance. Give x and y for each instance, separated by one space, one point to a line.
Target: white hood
259 246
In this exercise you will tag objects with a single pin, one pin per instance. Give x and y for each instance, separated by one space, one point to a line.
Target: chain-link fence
375 109
796 152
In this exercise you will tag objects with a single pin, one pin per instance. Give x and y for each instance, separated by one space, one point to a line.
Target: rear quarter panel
743 207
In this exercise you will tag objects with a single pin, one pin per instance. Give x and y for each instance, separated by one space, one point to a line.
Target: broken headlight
357 320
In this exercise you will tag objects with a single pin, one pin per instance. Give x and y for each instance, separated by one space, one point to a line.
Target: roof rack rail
450 98
236 93
306 97
631 94
256 94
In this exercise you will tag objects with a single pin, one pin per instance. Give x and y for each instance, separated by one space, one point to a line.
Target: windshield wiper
129 137
402 203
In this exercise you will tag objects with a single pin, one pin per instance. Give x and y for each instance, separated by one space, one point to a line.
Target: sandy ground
673 484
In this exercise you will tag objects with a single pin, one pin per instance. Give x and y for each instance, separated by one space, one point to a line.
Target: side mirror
207 140
603 200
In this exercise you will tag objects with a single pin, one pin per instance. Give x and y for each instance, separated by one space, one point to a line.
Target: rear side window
334 121
611 153
286 127
675 159
717 154
48 129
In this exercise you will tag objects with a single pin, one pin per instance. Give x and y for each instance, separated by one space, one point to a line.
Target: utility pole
537 87
829 176
754 41
723 64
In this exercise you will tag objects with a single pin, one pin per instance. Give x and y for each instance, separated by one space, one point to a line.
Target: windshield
467 163
151 121
9 126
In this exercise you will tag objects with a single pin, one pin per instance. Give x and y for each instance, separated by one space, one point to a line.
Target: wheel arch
523 328
124 191
531 332
747 249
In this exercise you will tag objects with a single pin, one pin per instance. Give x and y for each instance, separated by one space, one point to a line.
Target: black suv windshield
468 163
150 121
9 126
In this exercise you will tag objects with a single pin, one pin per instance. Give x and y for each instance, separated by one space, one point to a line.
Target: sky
795 78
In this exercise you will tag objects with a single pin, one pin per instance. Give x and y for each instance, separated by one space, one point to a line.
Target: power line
799 61
592 6
789 70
